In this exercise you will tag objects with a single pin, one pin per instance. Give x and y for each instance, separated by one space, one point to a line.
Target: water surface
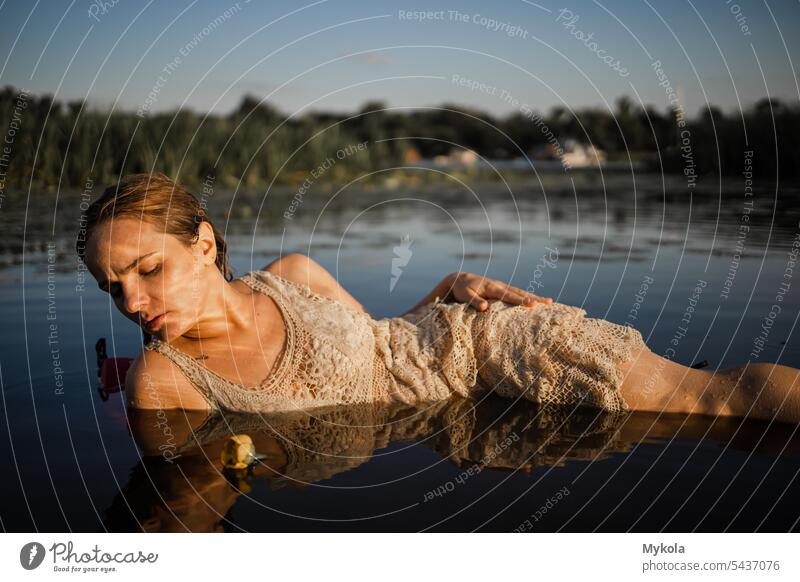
634 253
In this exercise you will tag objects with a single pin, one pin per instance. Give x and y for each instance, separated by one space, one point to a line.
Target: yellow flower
239 452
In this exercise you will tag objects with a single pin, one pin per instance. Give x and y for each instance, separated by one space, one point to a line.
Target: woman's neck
228 309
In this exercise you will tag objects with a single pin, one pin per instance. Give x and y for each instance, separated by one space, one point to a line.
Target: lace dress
337 355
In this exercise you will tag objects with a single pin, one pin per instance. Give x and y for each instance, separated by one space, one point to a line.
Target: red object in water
112 373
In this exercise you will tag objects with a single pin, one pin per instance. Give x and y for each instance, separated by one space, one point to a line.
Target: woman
289 336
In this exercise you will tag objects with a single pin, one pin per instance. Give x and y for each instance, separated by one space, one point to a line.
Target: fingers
532 296
514 295
475 299
478 291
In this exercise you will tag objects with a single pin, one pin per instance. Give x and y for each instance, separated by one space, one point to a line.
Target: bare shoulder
304 270
153 381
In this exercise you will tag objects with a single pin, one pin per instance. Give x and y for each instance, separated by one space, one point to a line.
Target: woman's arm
477 290
459 286
441 290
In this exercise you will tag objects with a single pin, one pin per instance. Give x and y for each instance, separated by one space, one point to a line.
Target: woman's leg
658 384
765 391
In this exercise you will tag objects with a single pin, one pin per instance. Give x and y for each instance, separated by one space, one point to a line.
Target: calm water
71 463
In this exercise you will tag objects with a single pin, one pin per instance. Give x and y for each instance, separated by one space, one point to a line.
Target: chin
168 330
166 333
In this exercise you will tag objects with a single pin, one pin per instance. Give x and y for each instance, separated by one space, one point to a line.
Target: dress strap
197 374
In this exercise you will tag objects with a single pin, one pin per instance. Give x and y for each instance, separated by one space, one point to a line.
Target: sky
335 55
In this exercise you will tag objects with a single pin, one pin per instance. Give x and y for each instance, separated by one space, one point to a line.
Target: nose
133 299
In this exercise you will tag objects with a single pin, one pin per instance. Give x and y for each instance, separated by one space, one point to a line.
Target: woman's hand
477 291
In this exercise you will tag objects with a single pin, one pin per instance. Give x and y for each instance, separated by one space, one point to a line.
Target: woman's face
155 280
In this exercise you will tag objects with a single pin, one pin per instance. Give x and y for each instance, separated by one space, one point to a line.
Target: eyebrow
104 284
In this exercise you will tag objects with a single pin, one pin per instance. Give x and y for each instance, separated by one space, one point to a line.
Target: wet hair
155 199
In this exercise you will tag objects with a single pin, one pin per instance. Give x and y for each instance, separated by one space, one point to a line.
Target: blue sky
116 57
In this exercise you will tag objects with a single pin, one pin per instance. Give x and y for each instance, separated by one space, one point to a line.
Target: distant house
411 155
573 154
457 157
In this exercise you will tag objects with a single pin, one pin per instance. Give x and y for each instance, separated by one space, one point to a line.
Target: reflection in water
180 484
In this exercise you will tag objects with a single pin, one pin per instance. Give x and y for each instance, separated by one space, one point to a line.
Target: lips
156 321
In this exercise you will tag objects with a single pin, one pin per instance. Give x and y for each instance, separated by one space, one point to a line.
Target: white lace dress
336 355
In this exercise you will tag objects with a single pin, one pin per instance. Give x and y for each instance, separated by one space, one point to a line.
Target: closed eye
115 287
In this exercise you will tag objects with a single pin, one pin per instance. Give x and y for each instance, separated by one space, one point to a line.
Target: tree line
52 144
